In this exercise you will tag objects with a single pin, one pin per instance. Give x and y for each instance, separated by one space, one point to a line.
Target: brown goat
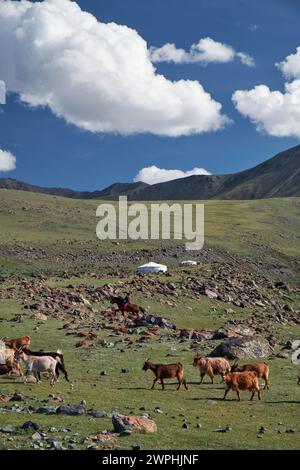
211 366
166 371
261 368
5 369
7 357
237 381
18 343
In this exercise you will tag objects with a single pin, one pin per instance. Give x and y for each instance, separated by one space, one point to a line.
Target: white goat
35 365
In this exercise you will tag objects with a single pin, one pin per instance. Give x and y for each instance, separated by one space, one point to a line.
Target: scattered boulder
48 410
247 347
234 331
71 410
139 424
7 429
210 294
30 425
283 355
101 437
39 316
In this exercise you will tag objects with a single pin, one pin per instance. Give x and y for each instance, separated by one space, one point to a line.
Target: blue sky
52 152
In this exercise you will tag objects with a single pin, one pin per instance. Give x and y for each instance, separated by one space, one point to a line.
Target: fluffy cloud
7 161
97 76
205 51
274 112
290 66
153 174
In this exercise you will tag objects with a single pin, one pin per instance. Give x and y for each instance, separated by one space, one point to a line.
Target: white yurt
152 268
188 263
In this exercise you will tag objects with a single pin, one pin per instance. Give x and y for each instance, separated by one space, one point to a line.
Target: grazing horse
126 306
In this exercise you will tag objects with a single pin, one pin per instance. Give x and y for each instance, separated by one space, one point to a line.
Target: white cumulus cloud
7 161
204 51
153 174
272 111
290 66
96 76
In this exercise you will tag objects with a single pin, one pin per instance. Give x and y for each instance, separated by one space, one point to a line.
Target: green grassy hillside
48 250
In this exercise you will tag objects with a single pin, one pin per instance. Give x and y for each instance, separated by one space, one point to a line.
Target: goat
211 366
7 358
34 365
261 368
18 343
237 381
60 366
166 371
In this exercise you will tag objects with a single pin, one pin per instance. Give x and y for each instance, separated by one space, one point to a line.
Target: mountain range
276 177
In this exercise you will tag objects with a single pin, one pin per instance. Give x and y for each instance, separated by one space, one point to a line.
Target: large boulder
138 424
247 347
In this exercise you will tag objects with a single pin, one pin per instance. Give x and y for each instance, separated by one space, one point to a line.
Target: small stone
227 429
158 410
17 397
125 371
30 425
36 436
52 429
262 430
72 446
7 429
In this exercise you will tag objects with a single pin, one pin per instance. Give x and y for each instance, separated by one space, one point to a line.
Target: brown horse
126 307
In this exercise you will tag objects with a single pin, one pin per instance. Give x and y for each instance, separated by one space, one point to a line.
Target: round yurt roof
188 263
152 267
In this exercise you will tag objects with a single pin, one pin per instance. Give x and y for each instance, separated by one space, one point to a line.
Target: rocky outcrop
139 424
247 347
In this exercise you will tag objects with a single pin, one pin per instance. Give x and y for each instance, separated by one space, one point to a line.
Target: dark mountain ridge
276 177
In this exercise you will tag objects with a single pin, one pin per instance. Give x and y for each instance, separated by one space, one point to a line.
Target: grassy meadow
55 236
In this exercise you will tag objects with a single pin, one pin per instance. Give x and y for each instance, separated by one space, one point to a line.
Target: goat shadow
175 384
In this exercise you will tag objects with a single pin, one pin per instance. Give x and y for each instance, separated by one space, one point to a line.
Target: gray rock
72 446
210 294
48 410
248 347
8 429
54 444
52 429
227 429
158 410
71 410
99 414
30 425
